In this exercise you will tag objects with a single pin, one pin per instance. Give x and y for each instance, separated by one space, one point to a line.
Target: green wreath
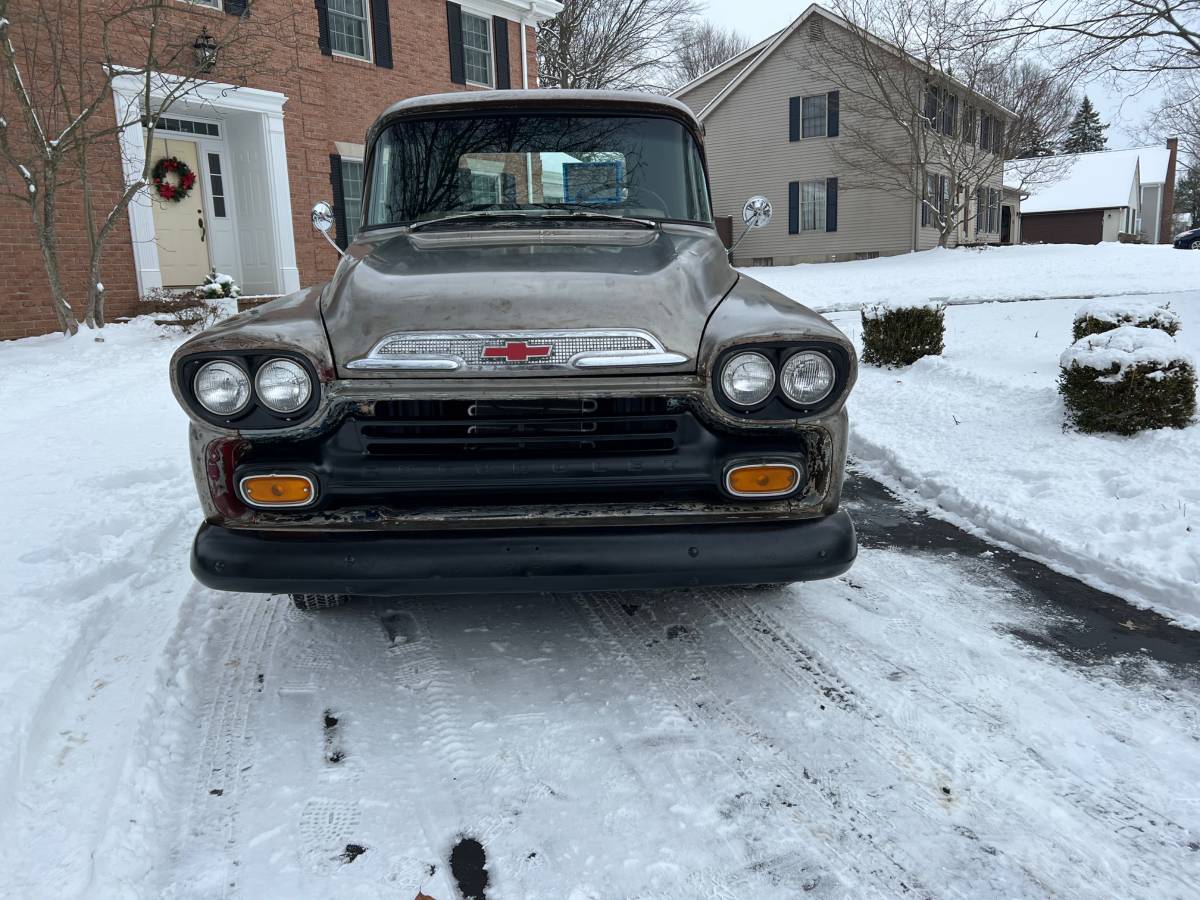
172 191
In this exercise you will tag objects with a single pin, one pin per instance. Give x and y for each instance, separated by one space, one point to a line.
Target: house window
813 116
349 33
352 195
812 205
211 4
933 200
216 185
477 49
485 189
949 113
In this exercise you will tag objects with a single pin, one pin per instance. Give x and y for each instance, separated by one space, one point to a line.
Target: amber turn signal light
762 481
278 490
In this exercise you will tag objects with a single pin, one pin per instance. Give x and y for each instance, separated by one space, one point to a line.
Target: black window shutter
458 69
240 8
794 119
831 201
832 114
323 27
500 32
508 189
925 200
381 33
793 207
339 199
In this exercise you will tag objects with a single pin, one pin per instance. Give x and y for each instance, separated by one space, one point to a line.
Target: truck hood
665 281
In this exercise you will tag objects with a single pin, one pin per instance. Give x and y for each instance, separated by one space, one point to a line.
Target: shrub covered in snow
186 312
218 286
900 333
1127 380
1099 316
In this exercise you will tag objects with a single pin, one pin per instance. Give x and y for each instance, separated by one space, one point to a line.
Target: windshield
531 165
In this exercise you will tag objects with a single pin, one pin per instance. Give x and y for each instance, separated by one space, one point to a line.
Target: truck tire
314 602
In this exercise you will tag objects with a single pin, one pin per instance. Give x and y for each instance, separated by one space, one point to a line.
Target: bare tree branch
621 44
58 60
703 47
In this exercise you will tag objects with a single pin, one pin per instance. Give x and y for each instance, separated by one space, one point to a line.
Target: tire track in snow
874 871
1118 813
226 747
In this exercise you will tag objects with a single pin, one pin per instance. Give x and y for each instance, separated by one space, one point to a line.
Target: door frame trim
128 94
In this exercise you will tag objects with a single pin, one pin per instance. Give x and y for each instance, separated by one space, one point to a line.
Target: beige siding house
773 127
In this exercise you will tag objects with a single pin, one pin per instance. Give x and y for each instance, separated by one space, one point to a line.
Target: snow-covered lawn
995 273
978 432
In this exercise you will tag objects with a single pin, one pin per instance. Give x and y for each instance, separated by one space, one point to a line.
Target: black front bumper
526 560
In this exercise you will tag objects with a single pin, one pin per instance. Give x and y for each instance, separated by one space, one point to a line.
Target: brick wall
330 98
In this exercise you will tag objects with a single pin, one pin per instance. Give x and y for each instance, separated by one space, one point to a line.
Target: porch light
205 50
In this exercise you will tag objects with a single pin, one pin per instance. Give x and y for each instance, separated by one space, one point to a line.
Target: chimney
1166 221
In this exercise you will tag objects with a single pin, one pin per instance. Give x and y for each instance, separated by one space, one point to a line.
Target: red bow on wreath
176 190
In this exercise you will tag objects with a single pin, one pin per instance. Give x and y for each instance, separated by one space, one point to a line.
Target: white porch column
127 97
281 202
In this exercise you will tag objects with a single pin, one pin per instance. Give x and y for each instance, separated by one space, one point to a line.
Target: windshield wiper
569 212
476 214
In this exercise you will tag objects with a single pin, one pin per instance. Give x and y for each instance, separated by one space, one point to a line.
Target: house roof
756 56
1100 180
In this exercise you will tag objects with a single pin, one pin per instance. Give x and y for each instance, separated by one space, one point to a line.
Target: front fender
753 313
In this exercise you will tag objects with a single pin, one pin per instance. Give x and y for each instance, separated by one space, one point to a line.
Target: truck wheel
314 602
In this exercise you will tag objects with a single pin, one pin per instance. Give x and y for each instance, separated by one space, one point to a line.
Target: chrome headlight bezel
747 357
254 414
792 362
292 367
779 406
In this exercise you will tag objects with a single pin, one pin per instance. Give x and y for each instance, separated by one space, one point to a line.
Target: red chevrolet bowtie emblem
517 351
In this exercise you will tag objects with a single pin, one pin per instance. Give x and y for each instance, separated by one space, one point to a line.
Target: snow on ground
978 433
99 509
995 273
900 731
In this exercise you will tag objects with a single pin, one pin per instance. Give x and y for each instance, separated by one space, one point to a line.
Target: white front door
181 227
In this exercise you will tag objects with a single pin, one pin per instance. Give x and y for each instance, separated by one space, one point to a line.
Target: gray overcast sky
758 18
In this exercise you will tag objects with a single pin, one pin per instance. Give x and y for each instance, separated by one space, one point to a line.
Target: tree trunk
48 241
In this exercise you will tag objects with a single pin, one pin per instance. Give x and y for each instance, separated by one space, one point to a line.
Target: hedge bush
1100 316
900 335
1127 380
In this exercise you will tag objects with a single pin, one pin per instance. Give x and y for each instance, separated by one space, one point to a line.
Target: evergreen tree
1086 133
1032 141
1187 193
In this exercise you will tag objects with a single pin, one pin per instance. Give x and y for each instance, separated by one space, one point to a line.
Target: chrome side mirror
756 213
322 220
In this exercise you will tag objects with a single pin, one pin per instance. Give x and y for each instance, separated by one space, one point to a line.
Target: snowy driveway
933 724
947 720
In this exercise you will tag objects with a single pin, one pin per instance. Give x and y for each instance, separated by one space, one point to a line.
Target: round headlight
748 378
283 385
223 388
807 377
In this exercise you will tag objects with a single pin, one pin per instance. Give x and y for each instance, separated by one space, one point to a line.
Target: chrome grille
470 348
514 350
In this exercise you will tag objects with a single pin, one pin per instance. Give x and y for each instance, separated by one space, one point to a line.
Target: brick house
266 151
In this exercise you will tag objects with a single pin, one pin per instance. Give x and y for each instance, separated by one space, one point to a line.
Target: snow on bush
219 286
898 333
1106 314
186 312
1127 380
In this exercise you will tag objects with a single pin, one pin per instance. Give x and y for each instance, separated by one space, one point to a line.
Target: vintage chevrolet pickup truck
533 369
